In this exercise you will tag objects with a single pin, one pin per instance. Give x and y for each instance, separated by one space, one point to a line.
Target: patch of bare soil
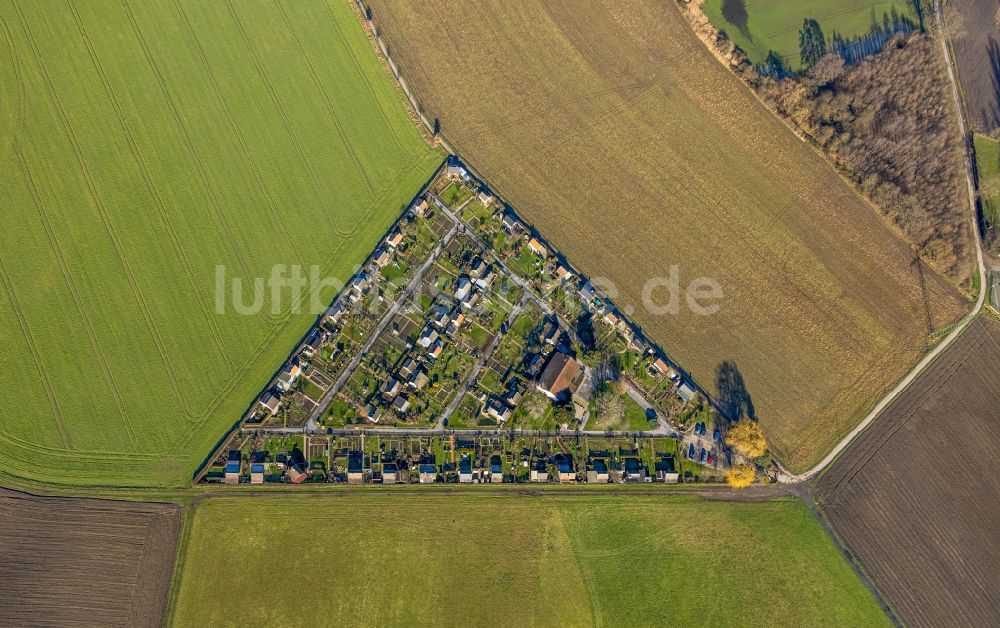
916 498
83 562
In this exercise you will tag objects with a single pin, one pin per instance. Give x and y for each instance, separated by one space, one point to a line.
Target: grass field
988 166
85 562
916 497
632 149
406 557
145 143
758 26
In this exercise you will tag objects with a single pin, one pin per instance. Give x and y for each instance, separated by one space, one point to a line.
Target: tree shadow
992 117
918 264
732 396
735 12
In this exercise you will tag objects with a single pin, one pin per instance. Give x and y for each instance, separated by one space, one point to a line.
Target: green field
758 26
145 144
988 165
425 557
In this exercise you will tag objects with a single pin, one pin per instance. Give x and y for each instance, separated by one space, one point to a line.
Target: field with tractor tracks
147 148
85 562
613 129
977 53
424 557
915 498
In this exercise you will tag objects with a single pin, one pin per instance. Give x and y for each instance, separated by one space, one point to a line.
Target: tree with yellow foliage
740 476
746 437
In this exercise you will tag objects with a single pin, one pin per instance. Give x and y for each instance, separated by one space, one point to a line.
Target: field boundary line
285 121
275 329
852 560
361 72
378 43
99 205
36 357
949 370
150 185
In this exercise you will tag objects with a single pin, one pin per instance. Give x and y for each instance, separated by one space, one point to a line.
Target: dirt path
397 306
784 475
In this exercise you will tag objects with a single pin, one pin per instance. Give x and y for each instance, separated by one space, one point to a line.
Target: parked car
710 459
691 452
703 456
717 436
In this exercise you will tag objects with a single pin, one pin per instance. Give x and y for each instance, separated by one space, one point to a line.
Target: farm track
974 59
914 499
957 328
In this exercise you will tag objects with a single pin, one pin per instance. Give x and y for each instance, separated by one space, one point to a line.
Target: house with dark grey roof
665 471
598 472
390 474
465 470
355 468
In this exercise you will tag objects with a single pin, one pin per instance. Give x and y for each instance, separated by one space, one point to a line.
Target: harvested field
146 146
419 558
614 130
85 562
977 52
916 497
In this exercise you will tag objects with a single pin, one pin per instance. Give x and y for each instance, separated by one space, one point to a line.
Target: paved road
483 358
391 431
784 475
413 284
546 308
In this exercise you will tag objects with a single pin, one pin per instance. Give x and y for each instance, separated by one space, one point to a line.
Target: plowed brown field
614 130
917 497
84 562
977 48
